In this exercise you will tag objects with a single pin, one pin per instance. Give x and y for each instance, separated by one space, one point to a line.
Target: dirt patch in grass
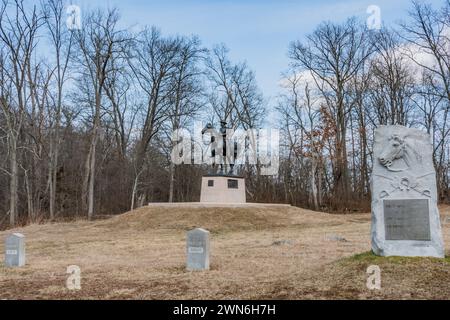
256 253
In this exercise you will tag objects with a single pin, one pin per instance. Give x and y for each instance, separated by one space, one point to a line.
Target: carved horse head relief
398 155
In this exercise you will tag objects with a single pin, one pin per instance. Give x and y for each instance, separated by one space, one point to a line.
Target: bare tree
333 54
62 40
97 41
235 96
185 97
392 84
153 63
18 29
428 32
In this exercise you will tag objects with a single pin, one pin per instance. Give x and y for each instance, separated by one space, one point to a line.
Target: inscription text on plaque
407 219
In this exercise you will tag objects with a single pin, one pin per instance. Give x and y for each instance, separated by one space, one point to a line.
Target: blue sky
255 31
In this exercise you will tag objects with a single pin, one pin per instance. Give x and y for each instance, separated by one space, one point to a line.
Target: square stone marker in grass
15 250
197 250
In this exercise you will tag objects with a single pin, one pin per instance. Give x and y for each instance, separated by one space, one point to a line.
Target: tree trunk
92 175
31 214
54 159
13 212
133 194
319 188
53 183
313 183
171 181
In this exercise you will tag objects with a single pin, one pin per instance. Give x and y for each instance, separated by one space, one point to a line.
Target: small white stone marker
15 250
197 250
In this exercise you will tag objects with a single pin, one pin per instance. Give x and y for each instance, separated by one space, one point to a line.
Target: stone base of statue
222 188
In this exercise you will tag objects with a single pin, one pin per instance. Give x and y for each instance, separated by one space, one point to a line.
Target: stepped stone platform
216 204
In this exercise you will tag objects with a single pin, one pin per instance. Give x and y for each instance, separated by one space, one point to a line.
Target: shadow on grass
370 257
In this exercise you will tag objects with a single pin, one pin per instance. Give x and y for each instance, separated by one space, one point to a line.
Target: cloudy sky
255 31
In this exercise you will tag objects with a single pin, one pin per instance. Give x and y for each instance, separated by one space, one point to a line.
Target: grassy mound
215 219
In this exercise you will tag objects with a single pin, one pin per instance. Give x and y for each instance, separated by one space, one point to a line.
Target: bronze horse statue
221 144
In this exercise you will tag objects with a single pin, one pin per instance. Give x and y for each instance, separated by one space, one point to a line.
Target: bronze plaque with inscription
407 219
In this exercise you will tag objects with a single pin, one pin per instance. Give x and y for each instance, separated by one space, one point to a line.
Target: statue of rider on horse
218 143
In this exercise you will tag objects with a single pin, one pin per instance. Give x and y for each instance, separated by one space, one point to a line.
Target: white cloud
418 57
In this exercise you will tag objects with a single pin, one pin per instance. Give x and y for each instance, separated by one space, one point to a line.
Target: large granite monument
405 217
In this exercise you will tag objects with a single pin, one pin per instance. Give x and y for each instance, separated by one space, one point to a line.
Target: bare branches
235 96
86 125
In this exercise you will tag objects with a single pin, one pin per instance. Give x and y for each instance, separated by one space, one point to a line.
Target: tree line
344 81
87 113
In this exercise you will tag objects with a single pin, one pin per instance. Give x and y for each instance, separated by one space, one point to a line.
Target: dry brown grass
141 255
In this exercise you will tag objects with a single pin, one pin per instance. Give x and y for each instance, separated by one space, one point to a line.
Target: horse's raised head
394 150
209 126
